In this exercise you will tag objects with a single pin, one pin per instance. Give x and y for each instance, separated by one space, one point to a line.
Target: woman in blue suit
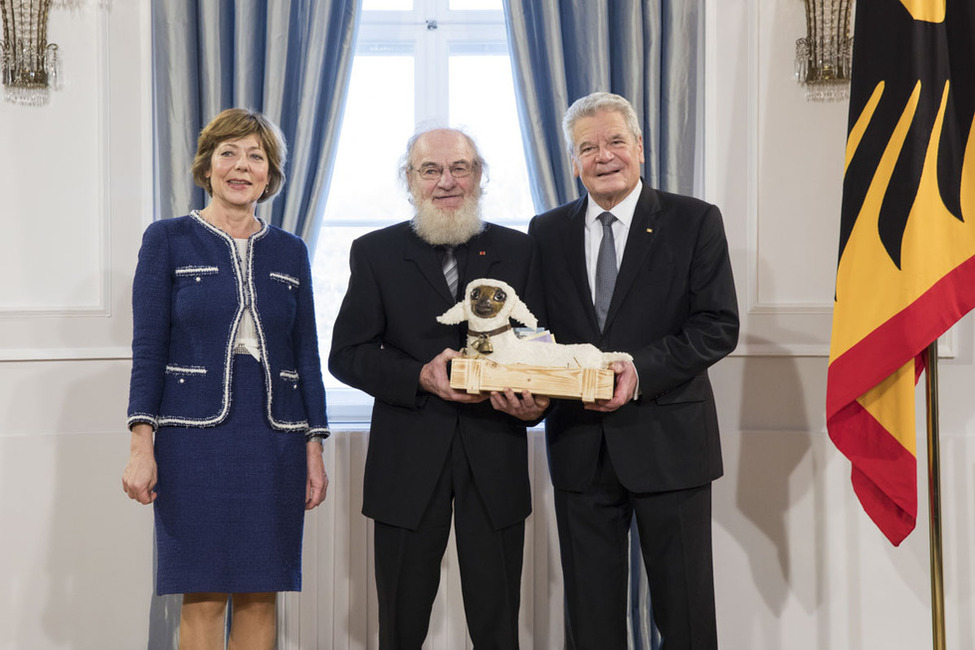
226 402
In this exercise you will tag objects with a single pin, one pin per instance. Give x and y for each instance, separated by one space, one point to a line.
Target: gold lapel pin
649 229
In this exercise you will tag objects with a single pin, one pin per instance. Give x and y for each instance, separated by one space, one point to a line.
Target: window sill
348 408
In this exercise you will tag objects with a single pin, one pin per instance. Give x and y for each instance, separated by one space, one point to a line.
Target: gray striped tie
605 268
450 270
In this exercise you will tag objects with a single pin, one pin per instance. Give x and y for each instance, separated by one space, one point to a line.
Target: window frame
432 32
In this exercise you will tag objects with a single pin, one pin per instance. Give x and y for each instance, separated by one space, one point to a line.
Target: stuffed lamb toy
487 307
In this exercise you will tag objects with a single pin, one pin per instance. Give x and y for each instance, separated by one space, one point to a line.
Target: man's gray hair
590 105
406 162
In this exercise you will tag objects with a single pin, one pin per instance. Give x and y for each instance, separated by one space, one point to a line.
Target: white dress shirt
623 211
246 331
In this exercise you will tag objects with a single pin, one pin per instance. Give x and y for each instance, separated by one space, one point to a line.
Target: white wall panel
75 552
800 148
75 555
798 564
75 177
54 185
774 165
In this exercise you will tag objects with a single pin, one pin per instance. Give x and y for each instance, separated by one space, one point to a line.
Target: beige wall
798 564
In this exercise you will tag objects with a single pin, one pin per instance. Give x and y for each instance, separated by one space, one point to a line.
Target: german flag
906 268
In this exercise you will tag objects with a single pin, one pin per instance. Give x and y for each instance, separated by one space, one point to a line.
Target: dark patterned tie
450 270
605 268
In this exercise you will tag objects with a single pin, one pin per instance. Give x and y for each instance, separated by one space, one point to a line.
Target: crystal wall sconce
824 56
29 65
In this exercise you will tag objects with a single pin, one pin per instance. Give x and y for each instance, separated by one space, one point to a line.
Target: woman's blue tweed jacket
188 297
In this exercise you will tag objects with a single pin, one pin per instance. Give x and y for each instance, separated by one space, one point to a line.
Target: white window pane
377 122
481 5
482 100
330 278
388 5
364 191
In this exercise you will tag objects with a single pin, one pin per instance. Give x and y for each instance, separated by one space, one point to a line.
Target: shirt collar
623 210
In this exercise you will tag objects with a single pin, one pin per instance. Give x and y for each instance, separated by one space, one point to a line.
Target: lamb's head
489 303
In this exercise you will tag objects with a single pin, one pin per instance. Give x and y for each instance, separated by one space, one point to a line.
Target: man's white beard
448 227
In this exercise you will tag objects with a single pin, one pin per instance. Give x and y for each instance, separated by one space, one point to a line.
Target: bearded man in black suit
634 269
433 449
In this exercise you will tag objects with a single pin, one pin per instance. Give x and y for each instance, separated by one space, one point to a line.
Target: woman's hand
317 484
139 477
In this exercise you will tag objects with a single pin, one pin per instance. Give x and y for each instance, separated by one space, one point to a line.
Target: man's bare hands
625 388
434 379
523 406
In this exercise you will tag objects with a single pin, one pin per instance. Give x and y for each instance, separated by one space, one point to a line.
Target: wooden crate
483 375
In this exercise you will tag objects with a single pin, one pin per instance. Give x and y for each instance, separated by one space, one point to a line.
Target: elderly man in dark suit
634 269
433 449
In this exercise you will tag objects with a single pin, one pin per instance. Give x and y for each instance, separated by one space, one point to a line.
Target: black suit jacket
386 330
674 309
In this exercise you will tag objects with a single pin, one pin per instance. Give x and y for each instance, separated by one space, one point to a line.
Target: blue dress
230 507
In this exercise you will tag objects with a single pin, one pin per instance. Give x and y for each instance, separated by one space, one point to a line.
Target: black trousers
675 540
408 565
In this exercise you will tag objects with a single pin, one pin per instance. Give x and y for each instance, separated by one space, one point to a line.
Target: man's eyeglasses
435 172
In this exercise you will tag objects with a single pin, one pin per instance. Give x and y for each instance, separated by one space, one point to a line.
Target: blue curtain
649 51
290 59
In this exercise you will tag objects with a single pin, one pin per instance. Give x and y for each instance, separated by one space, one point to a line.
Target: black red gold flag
906 268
